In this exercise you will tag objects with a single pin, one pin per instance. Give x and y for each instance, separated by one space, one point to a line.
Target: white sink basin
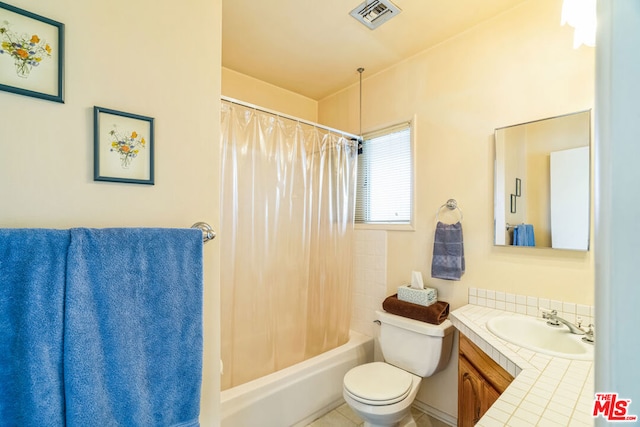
536 335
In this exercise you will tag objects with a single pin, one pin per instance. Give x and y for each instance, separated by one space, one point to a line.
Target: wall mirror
542 176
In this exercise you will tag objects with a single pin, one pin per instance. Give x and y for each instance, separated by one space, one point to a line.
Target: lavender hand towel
133 327
32 281
448 252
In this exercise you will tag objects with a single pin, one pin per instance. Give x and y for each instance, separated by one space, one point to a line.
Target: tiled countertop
547 391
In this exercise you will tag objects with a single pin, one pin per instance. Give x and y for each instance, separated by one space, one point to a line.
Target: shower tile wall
369 278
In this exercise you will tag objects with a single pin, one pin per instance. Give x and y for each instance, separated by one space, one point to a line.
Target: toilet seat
378 384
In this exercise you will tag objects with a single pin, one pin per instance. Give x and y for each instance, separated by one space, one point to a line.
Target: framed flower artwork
31 54
123 147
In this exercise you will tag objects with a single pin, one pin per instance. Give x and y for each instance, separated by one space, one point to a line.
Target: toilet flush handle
377 322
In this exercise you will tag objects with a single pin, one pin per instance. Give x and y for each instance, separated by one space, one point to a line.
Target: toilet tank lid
441 330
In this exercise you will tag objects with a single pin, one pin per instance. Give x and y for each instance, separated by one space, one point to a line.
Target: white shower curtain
287 217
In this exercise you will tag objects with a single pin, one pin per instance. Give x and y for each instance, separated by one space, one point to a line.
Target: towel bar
509 226
207 231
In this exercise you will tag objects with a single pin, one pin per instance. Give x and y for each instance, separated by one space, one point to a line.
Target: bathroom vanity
546 390
481 381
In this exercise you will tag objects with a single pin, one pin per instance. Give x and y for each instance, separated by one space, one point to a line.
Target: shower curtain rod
286 116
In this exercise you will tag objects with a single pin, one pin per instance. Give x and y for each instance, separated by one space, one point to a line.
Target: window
385 177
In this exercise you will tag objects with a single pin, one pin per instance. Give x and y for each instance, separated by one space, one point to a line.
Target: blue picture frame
31 54
123 147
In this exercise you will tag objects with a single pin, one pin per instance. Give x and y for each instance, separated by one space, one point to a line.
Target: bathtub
296 395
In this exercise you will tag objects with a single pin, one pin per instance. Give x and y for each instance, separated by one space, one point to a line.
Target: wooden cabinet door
489 397
475 394
480 382
470 394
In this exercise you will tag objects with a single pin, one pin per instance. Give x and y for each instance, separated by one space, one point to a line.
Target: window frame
410 226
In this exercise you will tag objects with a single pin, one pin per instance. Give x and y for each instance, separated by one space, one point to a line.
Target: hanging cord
360 141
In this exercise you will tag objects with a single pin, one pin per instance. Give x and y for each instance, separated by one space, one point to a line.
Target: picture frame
513 207
123 147
31 54
518 187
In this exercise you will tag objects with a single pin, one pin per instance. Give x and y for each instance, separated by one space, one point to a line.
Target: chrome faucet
555 320
589 335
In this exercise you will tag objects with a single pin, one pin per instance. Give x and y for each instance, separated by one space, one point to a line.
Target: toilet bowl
381 393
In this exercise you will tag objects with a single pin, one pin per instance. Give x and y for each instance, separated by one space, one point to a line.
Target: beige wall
513 69
143 57
248 89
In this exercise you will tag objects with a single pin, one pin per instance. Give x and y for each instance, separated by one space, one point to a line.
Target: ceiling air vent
374 13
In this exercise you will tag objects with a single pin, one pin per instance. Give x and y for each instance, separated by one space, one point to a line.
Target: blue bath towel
448 252
133 327
32 280
523 235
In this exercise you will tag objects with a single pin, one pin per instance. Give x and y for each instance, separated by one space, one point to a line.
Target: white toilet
381 393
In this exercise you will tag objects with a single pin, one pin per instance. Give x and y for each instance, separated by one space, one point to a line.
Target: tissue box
426 296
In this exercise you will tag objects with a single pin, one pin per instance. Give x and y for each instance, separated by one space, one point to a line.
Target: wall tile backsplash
531 306
369 278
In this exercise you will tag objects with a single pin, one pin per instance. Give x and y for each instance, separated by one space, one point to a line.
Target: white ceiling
314 47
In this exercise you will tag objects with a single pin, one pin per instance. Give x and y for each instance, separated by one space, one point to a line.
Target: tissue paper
416 280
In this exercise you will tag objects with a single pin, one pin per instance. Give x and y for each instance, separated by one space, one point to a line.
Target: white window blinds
385 177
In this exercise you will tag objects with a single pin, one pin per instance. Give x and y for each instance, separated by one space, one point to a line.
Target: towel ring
451 204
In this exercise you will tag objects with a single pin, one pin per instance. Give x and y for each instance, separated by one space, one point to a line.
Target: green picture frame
31 54
123 147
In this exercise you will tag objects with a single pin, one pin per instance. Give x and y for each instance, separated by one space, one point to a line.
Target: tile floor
343 416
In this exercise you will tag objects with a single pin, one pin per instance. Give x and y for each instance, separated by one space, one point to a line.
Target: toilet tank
418 347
